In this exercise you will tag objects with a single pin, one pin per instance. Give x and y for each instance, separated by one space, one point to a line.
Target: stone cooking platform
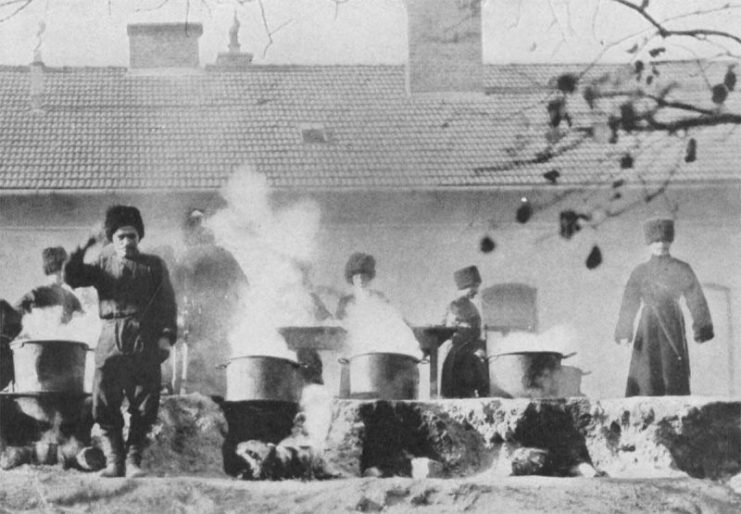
636 437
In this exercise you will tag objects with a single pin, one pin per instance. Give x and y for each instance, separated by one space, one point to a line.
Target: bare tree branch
665 32
24 4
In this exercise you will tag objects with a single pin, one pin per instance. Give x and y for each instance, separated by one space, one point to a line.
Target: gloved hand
163 348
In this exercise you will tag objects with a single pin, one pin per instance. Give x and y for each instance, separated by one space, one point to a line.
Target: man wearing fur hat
659 365
360 270
464 373
137 307
54 293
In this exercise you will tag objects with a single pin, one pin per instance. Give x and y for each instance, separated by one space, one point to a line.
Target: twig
665 32
25 4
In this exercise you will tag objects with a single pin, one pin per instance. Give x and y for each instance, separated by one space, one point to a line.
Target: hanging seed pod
487 244
594 259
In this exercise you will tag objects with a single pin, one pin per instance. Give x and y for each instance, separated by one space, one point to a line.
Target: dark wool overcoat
464 374
660 365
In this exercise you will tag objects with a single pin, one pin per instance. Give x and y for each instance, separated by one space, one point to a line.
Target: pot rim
273 357
19 343
538 352
402 355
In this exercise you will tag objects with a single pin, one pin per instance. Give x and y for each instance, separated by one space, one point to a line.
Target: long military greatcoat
659 364
464 375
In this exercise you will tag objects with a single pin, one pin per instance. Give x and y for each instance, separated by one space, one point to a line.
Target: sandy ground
51 490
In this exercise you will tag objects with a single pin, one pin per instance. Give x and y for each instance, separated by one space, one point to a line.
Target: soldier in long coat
464 373
660 365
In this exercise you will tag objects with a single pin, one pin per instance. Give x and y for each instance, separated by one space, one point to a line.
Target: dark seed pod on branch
567 82
691 152
552 176
628 116
655 52
487 244
730 79
626 161
524 212
614 123
639 66
556 109
720 93
569 223
594 259
590 96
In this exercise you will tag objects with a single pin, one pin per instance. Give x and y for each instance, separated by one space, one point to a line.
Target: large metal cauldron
49 366
382 376
525 374
258 377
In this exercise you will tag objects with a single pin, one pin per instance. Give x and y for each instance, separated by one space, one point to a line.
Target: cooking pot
569 381
258 377
49 366
525 374
381 376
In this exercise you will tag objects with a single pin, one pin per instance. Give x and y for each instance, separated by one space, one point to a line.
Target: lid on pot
18 343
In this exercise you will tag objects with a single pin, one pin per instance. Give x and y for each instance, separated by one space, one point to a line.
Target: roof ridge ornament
234 35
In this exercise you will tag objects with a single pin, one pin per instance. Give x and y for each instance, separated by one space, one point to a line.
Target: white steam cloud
374 325
269 244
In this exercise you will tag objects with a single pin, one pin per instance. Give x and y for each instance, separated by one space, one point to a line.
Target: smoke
374 325
270 245
316 405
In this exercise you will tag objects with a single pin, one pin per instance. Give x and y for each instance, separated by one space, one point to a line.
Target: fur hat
360 263
467 277
659 230
118 216
53 259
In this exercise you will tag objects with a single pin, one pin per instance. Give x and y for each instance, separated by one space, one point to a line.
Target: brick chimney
36 96
163 45
445 52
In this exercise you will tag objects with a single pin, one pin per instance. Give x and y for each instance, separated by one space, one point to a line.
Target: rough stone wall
666 436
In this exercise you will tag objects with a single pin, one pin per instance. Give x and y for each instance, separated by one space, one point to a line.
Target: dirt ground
51 490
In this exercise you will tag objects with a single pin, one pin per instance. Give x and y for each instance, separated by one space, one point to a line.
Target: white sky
93 32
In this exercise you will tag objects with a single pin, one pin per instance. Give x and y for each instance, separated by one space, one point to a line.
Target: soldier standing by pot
137 307
53 294
210 281
360 270
659 364
464 373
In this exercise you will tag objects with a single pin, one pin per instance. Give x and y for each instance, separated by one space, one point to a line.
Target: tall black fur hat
659 230
360 263
467 277
118 216
53 259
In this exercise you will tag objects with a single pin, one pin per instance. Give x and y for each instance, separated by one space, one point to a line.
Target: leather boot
112 446
135 445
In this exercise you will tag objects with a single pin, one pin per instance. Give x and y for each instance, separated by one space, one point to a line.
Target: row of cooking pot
59 366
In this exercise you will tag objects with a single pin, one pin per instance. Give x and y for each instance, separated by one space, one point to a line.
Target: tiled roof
108 129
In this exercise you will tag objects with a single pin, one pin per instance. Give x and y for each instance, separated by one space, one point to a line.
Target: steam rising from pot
269 244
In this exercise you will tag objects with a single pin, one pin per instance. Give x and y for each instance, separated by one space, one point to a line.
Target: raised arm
77 273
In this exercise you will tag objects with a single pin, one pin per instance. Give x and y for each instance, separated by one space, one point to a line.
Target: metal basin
525 375
49 366
382 376
257 377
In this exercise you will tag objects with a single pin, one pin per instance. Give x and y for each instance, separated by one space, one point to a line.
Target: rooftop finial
39 40
234 35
